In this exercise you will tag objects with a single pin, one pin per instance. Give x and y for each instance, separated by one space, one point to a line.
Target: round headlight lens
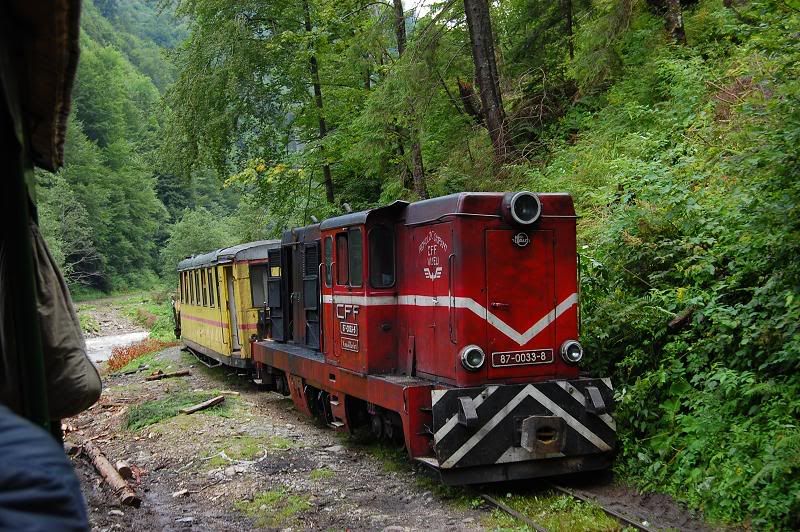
472 358
525 208
572 352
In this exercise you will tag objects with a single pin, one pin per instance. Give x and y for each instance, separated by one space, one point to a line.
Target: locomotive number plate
350 329
522 358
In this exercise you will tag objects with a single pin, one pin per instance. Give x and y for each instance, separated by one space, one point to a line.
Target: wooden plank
182 373
202 406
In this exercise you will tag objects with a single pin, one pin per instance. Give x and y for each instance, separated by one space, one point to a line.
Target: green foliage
196 232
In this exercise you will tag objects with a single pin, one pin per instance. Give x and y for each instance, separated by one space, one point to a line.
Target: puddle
99 349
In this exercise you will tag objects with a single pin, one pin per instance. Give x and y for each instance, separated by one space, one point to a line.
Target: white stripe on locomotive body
445 429
582 401
528 391
459 302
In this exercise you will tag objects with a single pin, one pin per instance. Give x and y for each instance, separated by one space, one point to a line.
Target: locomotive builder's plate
522 358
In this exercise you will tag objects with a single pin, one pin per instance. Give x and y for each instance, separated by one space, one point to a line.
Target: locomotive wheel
388 428
376 425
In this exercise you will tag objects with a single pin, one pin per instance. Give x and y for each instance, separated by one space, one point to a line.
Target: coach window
190 288
381 257
258 285
328 259
211 301
197 292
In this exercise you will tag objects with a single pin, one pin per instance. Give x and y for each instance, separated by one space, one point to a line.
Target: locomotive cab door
275 295
432 311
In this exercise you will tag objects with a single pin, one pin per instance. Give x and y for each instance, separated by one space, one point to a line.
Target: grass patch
273 508
249 448
151 310
151 412
557 513
321 474
89 325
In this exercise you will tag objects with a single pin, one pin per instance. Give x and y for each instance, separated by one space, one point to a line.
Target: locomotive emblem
521 239
433 275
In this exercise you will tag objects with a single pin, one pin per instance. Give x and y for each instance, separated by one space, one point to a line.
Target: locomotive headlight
571 351
524 208
472 358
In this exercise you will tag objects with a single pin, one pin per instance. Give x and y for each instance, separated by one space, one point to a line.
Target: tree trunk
480 34
323 128
675 21
570 41
417 168
400 26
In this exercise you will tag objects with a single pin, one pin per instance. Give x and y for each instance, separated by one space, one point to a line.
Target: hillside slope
685 169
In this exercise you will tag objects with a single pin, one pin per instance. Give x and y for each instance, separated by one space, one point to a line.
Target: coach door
233 321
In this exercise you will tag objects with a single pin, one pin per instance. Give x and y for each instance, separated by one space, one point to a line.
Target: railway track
625 521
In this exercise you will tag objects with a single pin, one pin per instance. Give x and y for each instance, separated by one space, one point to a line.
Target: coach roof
249 251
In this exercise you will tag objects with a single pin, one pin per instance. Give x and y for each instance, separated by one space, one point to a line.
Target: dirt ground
257 463
331 481
104 317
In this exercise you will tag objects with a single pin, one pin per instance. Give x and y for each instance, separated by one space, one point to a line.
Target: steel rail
612 513
513 513
538 528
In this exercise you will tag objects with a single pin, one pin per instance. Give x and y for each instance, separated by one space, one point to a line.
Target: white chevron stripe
518 454
528 391
484 430
470 304
581 399
453 421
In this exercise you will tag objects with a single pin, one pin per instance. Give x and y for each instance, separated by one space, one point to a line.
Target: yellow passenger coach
222 301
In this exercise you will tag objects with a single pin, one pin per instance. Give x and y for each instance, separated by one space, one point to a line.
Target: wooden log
121 488
182 373
124 469
681 319
202 406
229 392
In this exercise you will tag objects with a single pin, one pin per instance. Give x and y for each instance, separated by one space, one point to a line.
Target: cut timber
182 373
126 495
124 469
228 392
202 406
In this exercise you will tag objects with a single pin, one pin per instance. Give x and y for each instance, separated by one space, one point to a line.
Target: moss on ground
556 513
273 509
321 474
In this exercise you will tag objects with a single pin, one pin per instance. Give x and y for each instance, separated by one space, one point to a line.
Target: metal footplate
565 422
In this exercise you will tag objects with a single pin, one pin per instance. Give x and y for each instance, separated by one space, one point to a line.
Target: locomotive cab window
349 258
381 257
258 285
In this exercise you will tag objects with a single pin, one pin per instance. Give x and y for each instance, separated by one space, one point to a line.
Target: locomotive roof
480 203
248 251
359 218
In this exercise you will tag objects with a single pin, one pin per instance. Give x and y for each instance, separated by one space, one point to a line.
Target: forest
675 125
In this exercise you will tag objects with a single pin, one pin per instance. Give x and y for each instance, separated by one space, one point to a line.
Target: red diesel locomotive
451 323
